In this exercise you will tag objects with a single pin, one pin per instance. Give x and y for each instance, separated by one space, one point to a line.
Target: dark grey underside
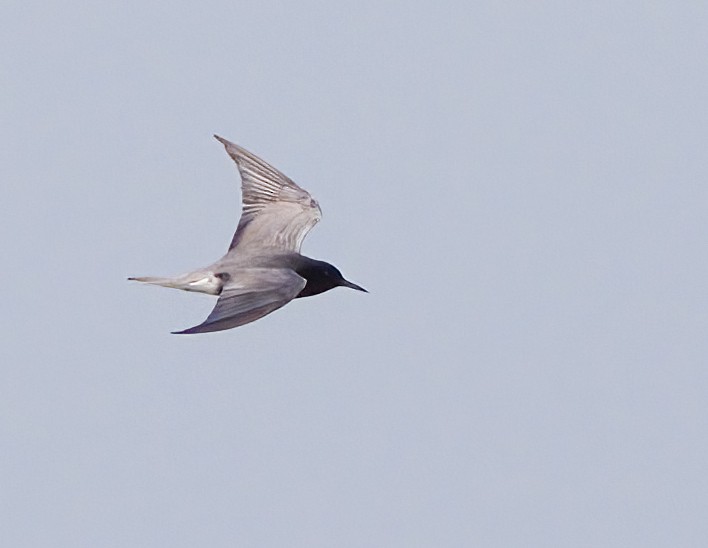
254 287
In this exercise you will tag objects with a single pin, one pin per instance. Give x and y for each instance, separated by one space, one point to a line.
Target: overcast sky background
522 188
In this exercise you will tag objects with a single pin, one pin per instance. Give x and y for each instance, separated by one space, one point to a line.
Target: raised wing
277 213
251 294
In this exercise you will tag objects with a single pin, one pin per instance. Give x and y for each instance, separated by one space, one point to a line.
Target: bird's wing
277 213
249 295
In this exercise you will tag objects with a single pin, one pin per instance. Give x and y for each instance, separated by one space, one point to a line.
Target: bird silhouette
263 269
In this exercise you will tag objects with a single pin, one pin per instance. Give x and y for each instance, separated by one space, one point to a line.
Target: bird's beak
347 283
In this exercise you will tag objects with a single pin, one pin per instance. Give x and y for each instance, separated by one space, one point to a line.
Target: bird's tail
200 281
154 280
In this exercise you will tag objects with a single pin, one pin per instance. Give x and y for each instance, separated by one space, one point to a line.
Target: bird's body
263 268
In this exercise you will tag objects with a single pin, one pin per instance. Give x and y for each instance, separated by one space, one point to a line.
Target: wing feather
258 292
276 212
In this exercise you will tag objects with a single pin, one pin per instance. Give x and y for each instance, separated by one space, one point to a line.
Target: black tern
263 269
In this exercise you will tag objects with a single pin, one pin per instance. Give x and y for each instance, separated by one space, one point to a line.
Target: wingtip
190 331
221 139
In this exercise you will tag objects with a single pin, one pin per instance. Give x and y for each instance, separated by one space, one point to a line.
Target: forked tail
164 282
200 281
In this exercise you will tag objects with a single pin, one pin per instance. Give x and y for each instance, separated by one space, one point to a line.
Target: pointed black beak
347 283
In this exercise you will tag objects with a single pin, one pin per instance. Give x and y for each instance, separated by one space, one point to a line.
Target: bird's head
334 277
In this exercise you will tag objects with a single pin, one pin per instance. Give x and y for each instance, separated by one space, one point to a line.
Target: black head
332 273
322 277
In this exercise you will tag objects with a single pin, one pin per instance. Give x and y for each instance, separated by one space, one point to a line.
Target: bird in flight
263 269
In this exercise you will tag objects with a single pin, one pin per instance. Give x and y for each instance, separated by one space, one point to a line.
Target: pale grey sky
522 188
